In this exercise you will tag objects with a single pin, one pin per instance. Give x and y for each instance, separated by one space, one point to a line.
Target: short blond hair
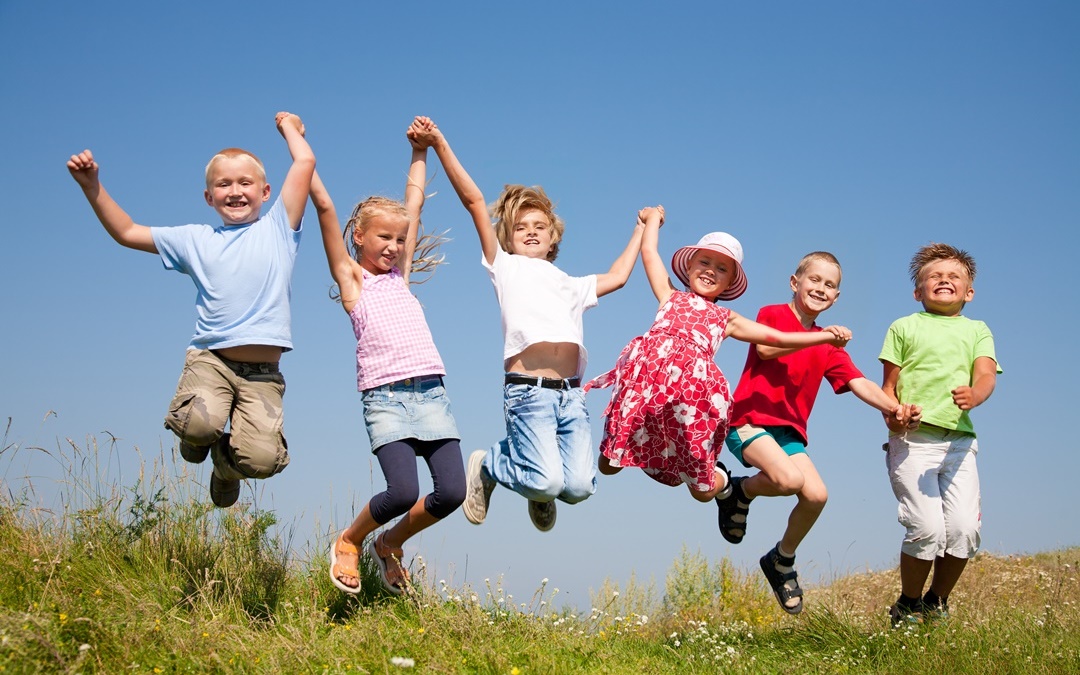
933 252
823 256
515 199
231 153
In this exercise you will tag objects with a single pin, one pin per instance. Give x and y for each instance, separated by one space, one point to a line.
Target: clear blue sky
866 129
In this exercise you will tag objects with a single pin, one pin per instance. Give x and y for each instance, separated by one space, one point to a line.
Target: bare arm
117 222
469 194
414 192
346 271
297 184
747 330
890 377
655 269
615 278
766 352
983 381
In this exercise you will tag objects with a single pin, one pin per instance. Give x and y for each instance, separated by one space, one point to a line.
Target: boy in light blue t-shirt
242 270
944 362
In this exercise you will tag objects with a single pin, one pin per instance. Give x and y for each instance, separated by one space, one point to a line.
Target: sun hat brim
680 263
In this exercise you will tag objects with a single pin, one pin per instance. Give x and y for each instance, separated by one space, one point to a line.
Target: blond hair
231 153
823 256
933 252
425 256
515 199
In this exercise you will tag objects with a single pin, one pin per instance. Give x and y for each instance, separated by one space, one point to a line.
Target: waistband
419 383
244 368
545 382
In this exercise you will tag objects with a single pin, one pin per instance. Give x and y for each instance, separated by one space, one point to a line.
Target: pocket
516 394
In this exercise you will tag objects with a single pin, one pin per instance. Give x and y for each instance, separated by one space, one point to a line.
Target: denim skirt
414 408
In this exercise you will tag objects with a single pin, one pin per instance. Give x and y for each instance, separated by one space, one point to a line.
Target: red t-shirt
781 391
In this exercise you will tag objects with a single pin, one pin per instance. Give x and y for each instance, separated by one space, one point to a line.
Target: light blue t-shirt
242 275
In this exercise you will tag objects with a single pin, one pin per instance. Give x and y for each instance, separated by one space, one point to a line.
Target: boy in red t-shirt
772 404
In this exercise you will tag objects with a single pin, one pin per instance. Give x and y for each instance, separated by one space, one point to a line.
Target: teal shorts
786 437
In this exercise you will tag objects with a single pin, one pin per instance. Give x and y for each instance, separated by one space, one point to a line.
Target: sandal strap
385 551
342 546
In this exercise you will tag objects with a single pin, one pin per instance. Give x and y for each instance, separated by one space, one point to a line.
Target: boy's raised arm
615 278
466 189
117 222
297 184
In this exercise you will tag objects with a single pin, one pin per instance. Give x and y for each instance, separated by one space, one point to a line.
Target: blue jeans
547 453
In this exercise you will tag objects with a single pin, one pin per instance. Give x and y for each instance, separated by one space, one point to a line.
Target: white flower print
664 350
720 402
684 414
669 449
674 373
701 367
641 437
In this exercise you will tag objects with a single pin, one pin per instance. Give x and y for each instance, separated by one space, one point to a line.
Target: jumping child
771 408
242 270
668 413
547 453
399 373
946 362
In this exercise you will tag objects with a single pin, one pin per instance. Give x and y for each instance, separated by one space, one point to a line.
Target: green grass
146 578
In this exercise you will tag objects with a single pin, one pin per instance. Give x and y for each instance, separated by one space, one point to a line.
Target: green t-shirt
936 354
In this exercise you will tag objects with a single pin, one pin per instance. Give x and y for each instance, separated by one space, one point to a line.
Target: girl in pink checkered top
398 372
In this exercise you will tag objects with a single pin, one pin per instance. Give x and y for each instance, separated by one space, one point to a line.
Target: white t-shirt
539 303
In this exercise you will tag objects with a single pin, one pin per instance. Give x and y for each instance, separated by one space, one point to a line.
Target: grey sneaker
478 489
542 514
223 493
196 454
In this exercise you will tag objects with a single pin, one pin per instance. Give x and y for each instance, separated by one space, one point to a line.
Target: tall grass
147 578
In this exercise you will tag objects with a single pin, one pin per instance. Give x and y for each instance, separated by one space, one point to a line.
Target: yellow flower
97 592
515 671
420 631
63 618
206 634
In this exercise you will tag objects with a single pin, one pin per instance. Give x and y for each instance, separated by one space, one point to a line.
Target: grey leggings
398 462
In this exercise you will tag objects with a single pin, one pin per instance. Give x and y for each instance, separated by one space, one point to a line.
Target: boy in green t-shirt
946 363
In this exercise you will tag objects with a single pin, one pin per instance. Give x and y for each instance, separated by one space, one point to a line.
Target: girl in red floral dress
668 413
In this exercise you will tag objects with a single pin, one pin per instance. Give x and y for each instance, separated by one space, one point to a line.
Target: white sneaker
478 489
542 515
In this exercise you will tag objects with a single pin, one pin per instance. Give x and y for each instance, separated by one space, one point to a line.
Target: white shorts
934 477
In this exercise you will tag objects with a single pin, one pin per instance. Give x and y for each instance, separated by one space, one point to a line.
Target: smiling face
710 273
236 188
944 286
532 235
381 242
815 288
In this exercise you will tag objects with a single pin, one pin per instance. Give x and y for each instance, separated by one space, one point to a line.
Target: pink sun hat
719 242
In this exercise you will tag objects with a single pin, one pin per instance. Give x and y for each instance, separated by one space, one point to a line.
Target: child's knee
193 418
260 455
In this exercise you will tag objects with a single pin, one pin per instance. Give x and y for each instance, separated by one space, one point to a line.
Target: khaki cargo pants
214 390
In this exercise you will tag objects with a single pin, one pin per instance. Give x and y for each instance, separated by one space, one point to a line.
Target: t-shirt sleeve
984 344
175 245
892 349
587 291
840 370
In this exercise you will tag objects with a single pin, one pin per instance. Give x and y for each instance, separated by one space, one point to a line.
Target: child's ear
208 197
266 192
970 294
794 282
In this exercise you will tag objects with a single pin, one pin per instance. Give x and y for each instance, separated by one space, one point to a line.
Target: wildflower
402 662
515 671
84 648
544 581
63 618
420 631
206 634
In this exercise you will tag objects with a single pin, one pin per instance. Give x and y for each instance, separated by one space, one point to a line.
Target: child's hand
655 212
283 119
423 133
913 414
84 169
841 335
964 397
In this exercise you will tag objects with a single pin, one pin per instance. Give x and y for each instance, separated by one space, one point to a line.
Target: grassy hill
150 579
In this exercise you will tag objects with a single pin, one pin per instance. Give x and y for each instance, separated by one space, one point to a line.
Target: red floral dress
668 413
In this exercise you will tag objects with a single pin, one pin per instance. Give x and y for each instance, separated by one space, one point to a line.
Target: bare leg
947 571
778 475
913 574
812 497
604 466
708 495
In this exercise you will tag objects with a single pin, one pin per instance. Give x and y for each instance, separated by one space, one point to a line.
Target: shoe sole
536 524
476 461
338 583
221 495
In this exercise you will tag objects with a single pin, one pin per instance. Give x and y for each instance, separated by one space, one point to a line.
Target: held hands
654 212
906 416
287 119
84 170
841 335
422 133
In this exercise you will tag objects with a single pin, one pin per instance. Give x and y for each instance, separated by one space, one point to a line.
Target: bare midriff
558 360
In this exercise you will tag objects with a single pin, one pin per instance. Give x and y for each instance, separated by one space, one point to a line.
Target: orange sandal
394 577
342 547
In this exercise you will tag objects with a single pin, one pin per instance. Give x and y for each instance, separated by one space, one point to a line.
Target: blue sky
866 129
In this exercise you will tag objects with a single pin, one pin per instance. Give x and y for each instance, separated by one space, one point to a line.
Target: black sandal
735 504
778 579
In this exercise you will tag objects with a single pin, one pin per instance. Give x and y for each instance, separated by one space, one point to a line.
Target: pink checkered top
393 341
